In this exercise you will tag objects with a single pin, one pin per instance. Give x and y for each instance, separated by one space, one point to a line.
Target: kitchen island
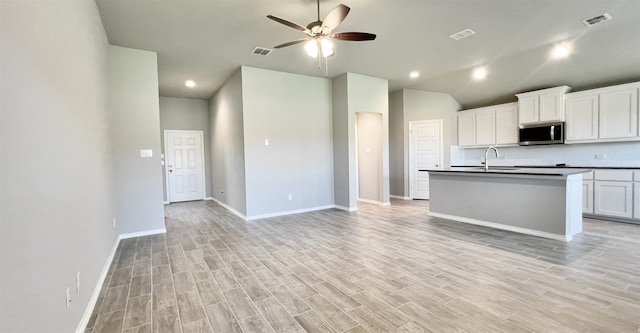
540 202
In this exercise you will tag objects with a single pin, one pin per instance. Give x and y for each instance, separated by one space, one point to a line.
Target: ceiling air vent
262 51
598 19
462 34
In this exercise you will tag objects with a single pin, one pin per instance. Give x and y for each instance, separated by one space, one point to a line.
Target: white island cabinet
541 202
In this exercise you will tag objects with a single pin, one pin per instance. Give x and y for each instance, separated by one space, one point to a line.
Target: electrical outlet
290 196
114 223
68 294
78 283
601 156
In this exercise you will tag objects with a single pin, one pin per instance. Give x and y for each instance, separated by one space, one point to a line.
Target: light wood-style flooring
382 269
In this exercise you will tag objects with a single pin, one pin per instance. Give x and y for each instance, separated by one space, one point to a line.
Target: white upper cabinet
507 124
485 127
466 129
603 115
528 109
581 116
619 113
541 106
492 125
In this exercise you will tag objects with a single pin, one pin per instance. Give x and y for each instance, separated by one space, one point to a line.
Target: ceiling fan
320 33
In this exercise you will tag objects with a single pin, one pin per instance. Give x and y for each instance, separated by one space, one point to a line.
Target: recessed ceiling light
479 73
561 51
189 83
414 74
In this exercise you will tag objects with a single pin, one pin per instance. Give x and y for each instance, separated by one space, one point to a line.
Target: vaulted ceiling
207 40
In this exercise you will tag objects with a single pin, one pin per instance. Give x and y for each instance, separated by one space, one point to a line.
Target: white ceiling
207 40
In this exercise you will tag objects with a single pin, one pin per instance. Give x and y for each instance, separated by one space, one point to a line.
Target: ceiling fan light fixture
312 48
323 45
327 47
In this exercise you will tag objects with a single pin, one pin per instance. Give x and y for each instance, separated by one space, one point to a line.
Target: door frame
412 124
166 170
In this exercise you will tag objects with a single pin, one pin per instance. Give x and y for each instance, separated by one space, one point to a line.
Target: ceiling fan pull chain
326 67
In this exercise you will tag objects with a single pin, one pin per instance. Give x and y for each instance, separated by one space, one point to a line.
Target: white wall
135 116
293 112
618 154
423 105
353 93
227 145
55 170
187 114
368 94
369 142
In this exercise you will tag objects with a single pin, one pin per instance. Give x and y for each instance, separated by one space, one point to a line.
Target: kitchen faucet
486 157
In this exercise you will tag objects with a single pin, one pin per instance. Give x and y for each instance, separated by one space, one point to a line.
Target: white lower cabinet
612 194
636 200
587 196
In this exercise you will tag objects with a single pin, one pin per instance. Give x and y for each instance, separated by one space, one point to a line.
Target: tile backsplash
618 154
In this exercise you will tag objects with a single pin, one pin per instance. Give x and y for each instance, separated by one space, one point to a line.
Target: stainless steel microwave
541 134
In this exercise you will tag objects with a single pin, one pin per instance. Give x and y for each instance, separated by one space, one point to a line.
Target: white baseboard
374 202
82 326
235 212
564 238
289 212
348 209
399 197
143 233
209 199
385 203
165 202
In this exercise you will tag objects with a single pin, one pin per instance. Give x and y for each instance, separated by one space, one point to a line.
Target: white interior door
425 152
184 165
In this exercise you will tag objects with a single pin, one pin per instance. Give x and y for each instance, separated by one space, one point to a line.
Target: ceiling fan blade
353 36
291 43
287 23
336 16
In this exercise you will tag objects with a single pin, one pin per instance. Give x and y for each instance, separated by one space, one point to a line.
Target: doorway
184 166
369 156
425 152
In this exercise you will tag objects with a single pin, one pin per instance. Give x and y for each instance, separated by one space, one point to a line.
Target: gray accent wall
56 204
342 141
294 171
416 105
396 144
135 116
227 145
186 114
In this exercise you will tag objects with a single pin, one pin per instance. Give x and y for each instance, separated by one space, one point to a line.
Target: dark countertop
515 171
560 166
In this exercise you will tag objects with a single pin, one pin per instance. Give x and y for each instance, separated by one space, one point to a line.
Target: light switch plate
146 153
